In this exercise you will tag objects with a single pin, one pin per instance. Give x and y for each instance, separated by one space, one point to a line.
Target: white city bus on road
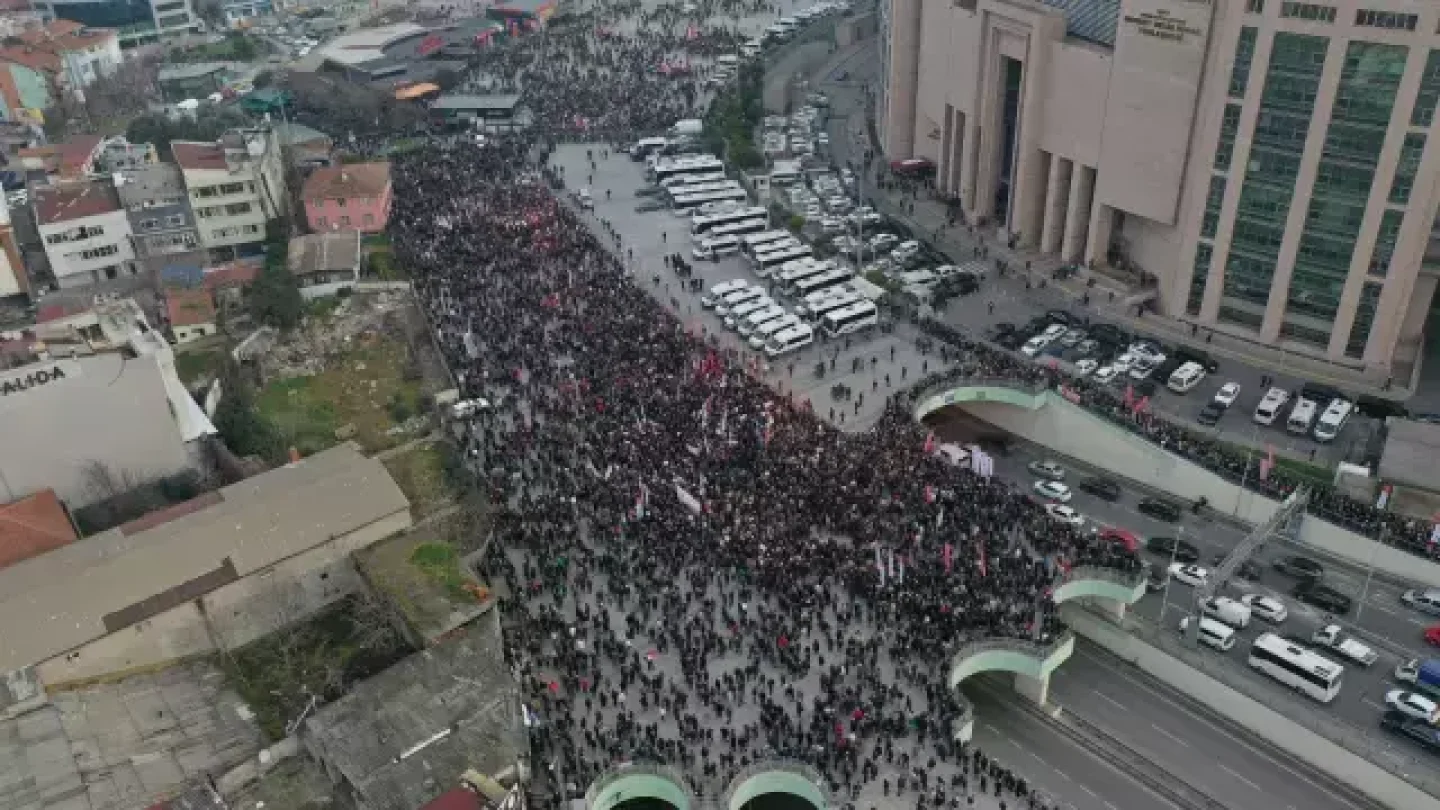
1297 667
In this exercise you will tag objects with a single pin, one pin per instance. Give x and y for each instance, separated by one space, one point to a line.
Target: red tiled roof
54 312
455 799
198 155
231 274
74 201
66 35
189 307
76 152
33 58
347 182
32 526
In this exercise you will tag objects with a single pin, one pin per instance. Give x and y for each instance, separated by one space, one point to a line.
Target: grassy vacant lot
421 473
192 366
420 572
323 656
367 388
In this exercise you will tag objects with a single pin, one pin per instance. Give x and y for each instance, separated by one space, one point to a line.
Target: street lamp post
1370 571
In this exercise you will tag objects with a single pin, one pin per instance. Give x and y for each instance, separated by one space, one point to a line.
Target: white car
1064 514
1086 367
882 241
1053 490
1106 374
1189 574
1034 345
832 225
905 250
1412 704
1124 363
1228 393
1271 610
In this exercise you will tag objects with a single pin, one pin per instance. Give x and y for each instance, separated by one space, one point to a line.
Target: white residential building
236 186
85 231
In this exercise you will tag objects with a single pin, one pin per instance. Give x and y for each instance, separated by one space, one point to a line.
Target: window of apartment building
174 20
175 220
223 233
1385 242
237 209
149 224
1407 168
344 222
232 188
320 222
96 253
249 230
1244 57
1393 20
167 7
369 219
74 234
205 191
1313 12
340 201
1255 6
1364 319
1424 112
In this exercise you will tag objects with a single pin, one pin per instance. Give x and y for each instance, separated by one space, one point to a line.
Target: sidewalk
920 210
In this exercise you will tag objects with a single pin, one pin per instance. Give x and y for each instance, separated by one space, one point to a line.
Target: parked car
1111 534
1189 574
1046 468
1102 488
1156 576
1418 731
1424 600
1299 567
1159 510
1227 394
1064 514
1053 490
1177 550
1322 596
1268 608
1413 704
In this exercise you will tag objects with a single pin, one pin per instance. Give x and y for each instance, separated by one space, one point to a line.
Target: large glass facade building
1263 165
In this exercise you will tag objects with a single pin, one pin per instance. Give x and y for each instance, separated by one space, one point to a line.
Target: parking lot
862 362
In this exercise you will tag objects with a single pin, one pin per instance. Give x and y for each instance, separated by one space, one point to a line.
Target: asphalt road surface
1014 303
1394 631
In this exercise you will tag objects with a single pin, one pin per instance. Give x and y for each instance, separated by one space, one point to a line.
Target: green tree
275 297
245 430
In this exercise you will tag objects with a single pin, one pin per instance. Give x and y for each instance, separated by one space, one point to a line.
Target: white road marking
1171 736
1111 806
1241 777
1063 775
1368 702
1112 701
1092 793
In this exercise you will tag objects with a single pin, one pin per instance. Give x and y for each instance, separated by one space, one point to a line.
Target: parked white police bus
767 263
690 202
853 318
701 223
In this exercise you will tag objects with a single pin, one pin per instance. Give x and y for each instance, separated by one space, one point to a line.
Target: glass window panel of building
1282 124
1364 319
1410 154
1199 276
1424 113
1364 100
1244 55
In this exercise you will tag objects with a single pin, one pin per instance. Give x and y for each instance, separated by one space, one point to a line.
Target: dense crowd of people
659 502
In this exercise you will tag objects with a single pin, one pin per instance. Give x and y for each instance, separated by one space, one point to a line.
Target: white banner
690 501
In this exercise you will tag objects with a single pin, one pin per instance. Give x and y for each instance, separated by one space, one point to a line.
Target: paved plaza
646 238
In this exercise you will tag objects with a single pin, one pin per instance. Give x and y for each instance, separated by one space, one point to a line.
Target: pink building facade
344 198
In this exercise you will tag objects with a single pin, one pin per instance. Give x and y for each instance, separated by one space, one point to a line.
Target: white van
792 339
721 290
716 249
762 333
1186 377
759 318
1212 633
728 60
1227 610
1270 406
1302 416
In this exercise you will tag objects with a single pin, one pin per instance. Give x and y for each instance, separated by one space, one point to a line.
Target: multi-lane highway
1394 631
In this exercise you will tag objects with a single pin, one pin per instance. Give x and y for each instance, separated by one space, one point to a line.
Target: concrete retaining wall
1279 730
1070 430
